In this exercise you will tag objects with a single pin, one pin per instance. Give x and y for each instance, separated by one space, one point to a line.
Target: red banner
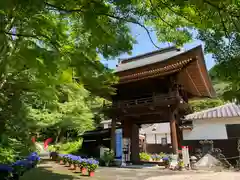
49 140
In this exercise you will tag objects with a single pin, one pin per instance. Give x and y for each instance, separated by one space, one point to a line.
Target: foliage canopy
214 22
50 70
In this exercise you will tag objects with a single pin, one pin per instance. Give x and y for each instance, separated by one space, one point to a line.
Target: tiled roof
224 111
147 59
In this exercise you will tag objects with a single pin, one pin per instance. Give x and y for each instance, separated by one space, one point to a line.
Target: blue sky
144 45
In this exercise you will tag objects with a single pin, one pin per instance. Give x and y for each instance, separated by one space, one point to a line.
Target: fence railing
144 101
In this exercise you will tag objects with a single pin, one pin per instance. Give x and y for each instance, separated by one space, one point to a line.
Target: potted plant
166 161
83 166
54 153
92 165
61 159
145 156
108 157
69 160
74 162
64 158
180 165
157 157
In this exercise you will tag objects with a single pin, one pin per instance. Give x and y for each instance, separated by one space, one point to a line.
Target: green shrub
7 155
162 154
70 147
144 156
54 148
108 157
12 149
66 148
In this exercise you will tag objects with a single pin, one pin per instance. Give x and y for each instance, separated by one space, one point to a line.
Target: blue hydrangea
7 168
165 158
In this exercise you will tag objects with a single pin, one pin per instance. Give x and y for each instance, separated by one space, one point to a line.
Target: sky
144 45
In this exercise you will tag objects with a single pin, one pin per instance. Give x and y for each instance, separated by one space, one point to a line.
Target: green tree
199 105
215 22
48 47
219 85
49 43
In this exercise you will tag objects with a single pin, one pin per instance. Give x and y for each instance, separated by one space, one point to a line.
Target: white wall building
158 133
211 124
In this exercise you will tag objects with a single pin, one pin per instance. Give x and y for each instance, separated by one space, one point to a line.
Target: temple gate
155 88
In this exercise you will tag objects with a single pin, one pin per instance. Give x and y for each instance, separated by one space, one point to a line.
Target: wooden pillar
179 132
127 128
174 138
113 136
135 144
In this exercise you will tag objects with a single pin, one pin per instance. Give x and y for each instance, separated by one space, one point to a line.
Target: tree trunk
58 135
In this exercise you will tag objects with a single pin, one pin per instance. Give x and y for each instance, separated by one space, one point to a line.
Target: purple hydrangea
6 168
165 158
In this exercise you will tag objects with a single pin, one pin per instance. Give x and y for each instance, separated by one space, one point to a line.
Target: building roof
189 66
155 128
148 58
225 111
96 132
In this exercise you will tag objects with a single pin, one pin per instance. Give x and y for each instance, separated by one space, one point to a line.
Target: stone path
48 170
207 176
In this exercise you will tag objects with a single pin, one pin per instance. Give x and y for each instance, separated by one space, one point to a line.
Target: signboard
126 151
119 145
185 155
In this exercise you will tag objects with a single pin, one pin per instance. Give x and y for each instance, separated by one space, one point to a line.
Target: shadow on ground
42 173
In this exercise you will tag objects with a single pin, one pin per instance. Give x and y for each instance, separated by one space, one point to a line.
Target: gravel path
207 176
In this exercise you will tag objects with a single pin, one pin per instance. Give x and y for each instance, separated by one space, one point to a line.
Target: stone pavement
205 176
48 170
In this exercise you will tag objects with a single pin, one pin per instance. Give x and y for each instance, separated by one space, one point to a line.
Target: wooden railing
144 101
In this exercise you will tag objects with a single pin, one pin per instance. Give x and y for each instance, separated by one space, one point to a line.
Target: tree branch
223 24
154 9
55 44
108 15
178 14
221 9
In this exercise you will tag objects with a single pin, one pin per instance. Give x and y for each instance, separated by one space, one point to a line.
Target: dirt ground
52 171
207 176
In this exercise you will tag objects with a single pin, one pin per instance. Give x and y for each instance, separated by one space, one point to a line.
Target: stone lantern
193 162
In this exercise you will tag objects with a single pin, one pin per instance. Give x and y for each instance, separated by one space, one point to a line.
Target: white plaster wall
209 129
150 138
206 131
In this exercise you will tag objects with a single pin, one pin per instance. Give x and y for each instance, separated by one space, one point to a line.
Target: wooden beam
143 114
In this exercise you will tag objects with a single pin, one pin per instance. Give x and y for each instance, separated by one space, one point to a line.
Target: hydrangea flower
6 168
165 158
92 165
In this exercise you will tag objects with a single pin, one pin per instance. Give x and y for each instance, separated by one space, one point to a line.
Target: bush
162 155
108 157
7 155
12 149
66 148
145 156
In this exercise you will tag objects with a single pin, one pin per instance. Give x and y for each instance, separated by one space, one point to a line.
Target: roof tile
224 111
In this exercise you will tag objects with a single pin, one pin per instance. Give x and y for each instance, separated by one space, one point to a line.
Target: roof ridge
159 51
